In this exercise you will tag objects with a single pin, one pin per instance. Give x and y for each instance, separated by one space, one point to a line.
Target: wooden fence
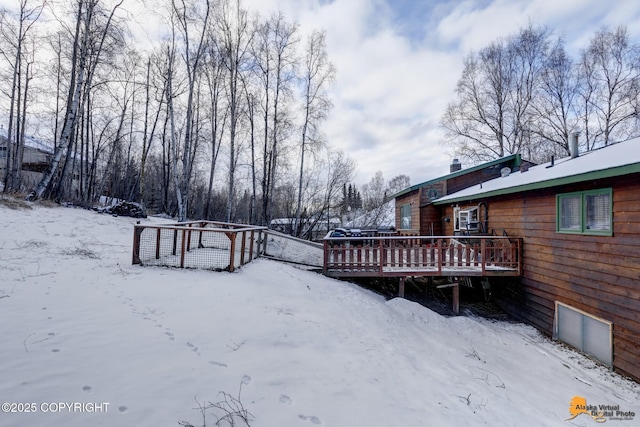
198 244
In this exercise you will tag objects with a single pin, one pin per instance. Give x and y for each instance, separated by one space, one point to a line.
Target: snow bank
82 325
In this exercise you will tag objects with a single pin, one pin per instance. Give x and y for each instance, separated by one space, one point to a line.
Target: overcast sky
398 62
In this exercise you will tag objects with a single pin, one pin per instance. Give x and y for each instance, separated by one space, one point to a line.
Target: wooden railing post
326 258
483 247
382 257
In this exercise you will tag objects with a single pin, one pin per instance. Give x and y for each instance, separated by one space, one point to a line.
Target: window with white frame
585 212
3 152
405 216
466 219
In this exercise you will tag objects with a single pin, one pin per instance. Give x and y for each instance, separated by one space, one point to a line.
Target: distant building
36 160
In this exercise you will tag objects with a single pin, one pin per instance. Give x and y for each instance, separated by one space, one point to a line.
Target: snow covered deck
404 256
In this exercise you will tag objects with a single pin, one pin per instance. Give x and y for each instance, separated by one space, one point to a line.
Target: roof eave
455 174
599 174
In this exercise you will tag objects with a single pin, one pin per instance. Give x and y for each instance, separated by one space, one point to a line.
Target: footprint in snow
222 365
246 379
286 400
86 388
314 420
122 408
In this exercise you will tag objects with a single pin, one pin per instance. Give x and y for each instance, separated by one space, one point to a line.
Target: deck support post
401 287
455 294
456 298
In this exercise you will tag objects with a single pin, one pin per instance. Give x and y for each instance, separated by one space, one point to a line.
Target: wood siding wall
430 221
597 274
412 198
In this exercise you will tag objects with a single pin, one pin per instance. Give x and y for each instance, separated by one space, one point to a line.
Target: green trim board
511 158
599 174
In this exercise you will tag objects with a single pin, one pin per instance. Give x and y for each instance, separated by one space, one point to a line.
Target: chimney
574 145
455 166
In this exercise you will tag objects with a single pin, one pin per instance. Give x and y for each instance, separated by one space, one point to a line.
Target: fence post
264 243
137 231
158 235
243 246
175 241
182 248
251 237
232 250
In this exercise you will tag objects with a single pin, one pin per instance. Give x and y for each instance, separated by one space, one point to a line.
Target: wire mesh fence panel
200 245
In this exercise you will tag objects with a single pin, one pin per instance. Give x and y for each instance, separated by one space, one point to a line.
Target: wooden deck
407 256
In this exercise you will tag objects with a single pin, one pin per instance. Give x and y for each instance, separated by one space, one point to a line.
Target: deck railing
422 256
198 244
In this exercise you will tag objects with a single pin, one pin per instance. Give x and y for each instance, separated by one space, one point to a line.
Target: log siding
599 275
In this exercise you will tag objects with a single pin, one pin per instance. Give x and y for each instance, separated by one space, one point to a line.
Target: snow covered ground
127 345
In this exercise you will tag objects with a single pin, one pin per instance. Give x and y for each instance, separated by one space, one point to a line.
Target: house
416 212
35 161
579 221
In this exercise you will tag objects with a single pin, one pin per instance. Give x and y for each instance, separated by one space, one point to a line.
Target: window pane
405 216
598 212
570 213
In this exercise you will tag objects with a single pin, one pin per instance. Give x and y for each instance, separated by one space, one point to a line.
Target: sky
398 62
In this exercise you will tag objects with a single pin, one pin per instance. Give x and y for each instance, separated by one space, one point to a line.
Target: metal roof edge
461 172
572 179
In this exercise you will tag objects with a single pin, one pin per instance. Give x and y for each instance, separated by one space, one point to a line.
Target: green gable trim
599 174
513 157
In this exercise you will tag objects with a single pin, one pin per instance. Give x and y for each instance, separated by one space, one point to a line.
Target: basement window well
589 334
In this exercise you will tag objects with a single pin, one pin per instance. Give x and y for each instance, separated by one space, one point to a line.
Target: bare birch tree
189 18
19 54
85 16
610 76
275 64
235 40
318 74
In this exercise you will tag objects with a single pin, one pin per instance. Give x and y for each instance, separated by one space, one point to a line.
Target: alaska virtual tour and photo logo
599 413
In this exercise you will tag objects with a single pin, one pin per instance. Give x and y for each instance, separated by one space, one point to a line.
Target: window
466 219
586 212
405 216
3 152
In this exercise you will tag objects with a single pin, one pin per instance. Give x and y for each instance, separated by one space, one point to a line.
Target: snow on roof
508 158
31 141
613 160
